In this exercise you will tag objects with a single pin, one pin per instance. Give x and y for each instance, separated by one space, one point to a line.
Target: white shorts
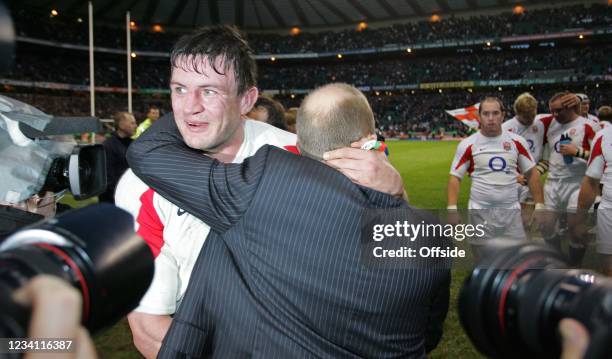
562 194
604 231
498 222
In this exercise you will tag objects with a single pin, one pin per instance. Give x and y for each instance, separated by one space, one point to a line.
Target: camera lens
94 249
512 302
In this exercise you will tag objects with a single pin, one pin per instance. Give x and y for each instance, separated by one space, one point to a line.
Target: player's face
526 118
206 105
491 118
560 113
585 105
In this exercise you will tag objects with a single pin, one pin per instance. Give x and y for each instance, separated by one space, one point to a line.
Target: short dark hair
276 111
217 42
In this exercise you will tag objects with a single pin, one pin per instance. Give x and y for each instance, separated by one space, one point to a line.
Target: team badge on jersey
534 129
572 132
507 146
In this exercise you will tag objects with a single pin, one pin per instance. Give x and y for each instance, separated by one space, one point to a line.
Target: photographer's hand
56 313
575 339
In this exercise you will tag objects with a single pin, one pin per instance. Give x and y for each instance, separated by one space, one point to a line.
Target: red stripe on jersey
150 227
546 121
589 133
597 151
292 149
522 150
467 156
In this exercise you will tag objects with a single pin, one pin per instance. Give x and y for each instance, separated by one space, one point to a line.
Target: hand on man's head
370 169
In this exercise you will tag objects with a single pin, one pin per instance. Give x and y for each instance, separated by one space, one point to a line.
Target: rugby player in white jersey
585 106
213 78
599 170
529 125
493 158
569 137
605 116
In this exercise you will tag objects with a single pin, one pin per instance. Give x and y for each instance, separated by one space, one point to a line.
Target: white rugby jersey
493 163
598 164
594 120
604 124
581 133
533 134
174 236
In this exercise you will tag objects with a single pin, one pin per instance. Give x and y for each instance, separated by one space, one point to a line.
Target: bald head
330 117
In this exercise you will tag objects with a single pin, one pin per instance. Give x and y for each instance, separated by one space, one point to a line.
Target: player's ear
248 100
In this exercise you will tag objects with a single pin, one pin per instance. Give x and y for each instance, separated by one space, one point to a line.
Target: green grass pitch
424 167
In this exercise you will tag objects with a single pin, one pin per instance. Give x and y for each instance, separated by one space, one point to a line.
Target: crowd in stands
76 103
398 114
35 23
574 63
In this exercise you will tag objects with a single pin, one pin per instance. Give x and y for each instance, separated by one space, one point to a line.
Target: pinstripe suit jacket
280 274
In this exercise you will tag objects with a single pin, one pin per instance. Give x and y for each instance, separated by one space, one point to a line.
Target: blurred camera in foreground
512 302
94 249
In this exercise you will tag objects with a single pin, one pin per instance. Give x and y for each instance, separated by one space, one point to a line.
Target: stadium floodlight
54 12
339 56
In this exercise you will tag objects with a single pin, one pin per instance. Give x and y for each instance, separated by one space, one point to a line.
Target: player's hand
541 218
370 169
453 217
521 180
579 229
56 313
570 100
575 339
569 149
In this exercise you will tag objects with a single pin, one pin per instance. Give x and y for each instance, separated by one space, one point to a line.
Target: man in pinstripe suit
207 107
280 274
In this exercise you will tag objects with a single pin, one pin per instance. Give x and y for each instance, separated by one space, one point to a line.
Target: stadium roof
267 14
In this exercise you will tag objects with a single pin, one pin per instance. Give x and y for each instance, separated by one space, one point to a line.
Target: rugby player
493 158
213 84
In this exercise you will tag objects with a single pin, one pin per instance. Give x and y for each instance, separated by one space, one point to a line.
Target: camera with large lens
83 172
512 302
94 249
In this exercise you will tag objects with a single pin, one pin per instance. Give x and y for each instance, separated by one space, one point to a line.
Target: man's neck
574 118
228 151
491 135
121 134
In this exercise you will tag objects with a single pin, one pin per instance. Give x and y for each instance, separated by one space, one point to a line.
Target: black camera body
511 304
94 249
83 172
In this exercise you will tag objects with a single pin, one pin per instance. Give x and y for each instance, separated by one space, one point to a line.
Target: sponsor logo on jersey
497 164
